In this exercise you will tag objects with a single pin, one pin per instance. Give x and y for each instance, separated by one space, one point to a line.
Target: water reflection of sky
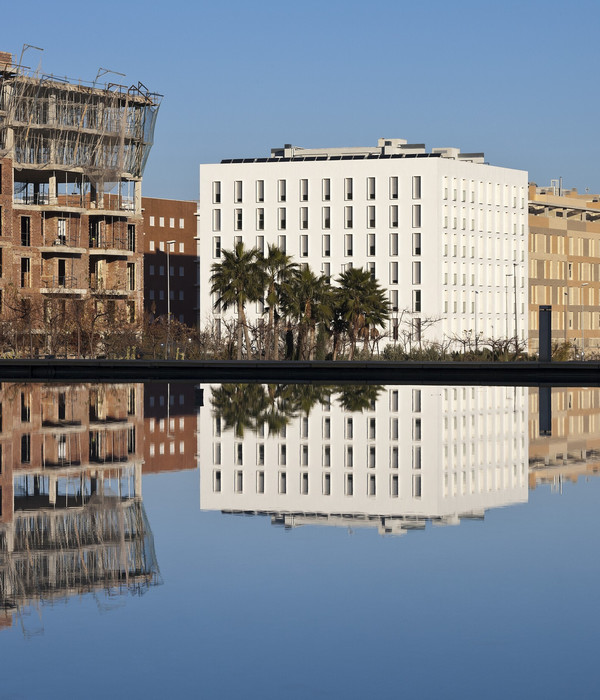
504 607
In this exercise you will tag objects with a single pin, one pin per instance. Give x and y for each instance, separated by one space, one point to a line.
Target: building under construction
72 157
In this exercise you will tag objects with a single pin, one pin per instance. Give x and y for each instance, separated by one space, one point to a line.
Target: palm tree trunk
270 334
246 334
276 340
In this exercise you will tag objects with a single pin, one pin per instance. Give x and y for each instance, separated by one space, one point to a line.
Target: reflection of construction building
71 163
564 254
170 226
76 522
415 454
573 447
170 416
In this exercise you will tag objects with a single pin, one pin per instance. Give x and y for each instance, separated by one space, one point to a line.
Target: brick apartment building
170 232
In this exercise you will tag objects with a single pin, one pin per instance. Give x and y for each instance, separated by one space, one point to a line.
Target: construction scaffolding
75 547
91 138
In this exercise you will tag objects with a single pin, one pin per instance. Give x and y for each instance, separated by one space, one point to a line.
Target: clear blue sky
517 80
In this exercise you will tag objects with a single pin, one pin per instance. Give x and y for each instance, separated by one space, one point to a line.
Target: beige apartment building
564 266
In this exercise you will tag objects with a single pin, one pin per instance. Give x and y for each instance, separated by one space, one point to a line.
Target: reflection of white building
418 453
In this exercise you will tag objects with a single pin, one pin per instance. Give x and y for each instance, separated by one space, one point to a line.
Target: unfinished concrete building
72 157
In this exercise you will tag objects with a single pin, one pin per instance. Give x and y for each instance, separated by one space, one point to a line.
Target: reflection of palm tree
304 396
238 405
358 398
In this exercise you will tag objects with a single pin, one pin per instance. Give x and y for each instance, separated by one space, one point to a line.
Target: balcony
61 284
62 245
101 287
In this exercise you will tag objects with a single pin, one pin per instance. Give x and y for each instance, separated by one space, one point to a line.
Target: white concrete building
444 232
417 454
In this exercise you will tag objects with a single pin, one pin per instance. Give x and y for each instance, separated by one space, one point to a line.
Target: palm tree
239 278
363 304
308 299
279 272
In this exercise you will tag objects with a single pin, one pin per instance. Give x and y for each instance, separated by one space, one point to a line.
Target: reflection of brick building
170 417
170 220
71 163
71 462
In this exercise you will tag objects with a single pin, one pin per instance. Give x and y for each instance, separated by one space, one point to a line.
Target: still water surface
296 541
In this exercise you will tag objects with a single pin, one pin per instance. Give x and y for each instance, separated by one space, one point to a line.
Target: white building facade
443 232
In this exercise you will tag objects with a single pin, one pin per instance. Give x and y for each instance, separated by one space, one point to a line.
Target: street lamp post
476 296
515 287
506 276
167 349
566 303
585 284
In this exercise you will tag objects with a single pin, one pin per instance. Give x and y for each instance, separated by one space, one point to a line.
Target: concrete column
52 193
138 197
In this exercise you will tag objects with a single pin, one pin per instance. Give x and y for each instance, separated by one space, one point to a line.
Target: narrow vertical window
394 216
281 190
304 246
393 244
216 219
260 219
416 300
370 188
326 484
25 230
416 215
348 217
416 273
260 190
216 188
371 485
326 245
348 188
371 271
371 217
416 187
394 273
282 218
304 190
371 244
348 244
326 186
237 220
304 218
394 486
393 188
216 246
281 243
394 300
237 191
326 213
130 236
25 272
260 244
260 481
416 243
